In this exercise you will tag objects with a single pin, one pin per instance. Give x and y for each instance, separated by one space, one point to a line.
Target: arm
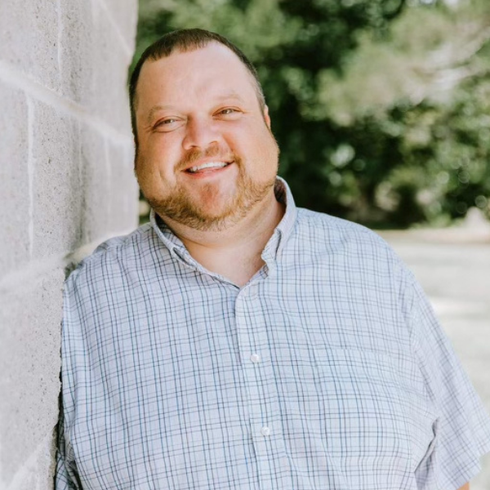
465 487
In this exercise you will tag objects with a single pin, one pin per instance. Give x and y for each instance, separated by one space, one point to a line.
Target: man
237 341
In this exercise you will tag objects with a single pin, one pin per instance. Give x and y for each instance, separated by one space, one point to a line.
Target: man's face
206 154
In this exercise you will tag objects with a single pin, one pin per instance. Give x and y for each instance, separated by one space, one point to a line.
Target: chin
213 208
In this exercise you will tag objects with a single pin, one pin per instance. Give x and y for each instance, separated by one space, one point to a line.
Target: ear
267 118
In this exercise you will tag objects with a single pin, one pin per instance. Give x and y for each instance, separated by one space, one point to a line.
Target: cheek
159 156
143 171
149 172
267 152
256 142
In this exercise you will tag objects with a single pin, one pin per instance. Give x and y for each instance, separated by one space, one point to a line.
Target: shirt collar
274 245
285 227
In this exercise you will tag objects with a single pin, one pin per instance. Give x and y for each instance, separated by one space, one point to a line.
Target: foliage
380 108
425 88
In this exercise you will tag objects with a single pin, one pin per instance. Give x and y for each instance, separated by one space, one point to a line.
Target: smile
209 166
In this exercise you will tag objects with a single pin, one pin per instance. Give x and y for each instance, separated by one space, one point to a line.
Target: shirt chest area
309 323
286 376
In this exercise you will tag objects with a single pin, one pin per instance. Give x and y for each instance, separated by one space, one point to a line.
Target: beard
229 207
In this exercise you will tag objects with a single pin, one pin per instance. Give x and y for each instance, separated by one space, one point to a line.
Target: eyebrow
229 96
156 109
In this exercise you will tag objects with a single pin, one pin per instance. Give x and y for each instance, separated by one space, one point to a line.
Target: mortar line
115 26
28 274
12 76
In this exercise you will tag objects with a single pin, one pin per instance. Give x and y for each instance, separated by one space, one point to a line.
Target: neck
234 252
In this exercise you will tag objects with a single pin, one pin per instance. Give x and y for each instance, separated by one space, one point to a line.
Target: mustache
196 154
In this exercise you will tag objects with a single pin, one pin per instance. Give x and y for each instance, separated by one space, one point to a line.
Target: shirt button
255 358
265 431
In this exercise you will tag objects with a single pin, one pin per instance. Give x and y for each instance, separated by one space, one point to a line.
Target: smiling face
206 155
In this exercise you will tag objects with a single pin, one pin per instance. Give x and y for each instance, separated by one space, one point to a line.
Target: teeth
208 165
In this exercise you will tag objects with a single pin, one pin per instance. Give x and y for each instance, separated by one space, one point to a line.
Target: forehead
194 75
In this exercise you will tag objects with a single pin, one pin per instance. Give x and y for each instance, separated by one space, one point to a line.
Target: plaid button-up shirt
327 370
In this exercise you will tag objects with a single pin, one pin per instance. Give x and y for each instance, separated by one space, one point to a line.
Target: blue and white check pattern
327 370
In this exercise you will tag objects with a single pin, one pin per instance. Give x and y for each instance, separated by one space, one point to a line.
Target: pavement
453 267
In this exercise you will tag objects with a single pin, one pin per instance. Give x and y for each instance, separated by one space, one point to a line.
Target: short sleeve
462 429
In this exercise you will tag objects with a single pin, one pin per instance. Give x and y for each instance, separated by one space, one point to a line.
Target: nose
200 133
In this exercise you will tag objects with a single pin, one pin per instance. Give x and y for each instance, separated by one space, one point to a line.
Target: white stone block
96 175
110 197
29 38
29 363
111 62
58 187
64 180
76 51
125 15
37 472
14 181
123 189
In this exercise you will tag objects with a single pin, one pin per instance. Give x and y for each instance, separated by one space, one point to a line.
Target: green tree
422 87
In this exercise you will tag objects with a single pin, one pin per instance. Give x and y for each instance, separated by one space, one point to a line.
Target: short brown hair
184 40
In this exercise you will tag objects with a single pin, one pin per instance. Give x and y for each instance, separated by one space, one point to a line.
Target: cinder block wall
66 184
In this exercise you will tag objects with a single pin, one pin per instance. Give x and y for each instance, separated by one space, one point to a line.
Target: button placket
259 376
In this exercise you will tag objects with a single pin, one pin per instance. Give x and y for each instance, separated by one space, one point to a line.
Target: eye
228 112
168 124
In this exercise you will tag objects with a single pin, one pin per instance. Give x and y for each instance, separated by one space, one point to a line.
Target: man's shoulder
329 231
115 252
328 241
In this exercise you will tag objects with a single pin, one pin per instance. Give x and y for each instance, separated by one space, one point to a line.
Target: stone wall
66 184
